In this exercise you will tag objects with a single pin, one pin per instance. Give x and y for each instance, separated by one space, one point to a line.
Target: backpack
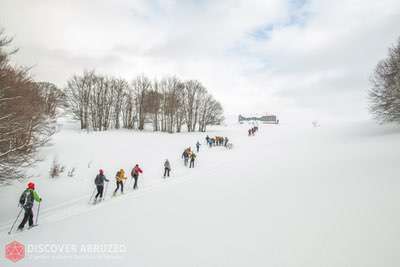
134 172
26 199
98 180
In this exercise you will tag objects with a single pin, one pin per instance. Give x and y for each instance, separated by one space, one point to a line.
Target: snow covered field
289 196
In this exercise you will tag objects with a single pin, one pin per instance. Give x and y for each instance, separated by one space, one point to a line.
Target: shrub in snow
71 172
315 124
56 169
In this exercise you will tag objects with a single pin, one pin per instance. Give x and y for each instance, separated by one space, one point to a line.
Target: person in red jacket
135 174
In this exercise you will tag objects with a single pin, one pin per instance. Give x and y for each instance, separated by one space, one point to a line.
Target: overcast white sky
296 58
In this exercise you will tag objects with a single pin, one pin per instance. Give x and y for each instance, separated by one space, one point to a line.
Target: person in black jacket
99 182
185 156
192 158
198 146
167 168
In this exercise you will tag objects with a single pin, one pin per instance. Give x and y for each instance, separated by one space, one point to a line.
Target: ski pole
105 192
9 232
37 215
127 184
90 200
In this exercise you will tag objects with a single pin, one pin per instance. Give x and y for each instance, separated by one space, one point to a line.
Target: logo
15 251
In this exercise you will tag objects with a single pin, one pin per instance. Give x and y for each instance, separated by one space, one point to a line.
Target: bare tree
78 92
180 111
200 96
385 92
140 86
119 86
100 103
128 110
24 123
152 104
211 113
190 90
52 96
172 87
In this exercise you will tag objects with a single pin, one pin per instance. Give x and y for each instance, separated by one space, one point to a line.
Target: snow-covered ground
289 196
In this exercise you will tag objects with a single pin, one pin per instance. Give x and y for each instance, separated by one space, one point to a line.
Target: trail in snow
79 206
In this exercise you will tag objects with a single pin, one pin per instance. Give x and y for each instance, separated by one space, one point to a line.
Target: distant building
267 119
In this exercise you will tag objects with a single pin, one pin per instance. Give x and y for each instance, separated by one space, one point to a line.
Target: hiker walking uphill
167 168
198 146
185 156
135 174
99 182
253 130
26 201
119 178
192 159
219 140
208 141
226 141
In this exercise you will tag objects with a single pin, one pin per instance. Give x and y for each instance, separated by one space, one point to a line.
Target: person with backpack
167 168
198 146
192 158
99 182
28 197
185 156
210 142
119 178
135 174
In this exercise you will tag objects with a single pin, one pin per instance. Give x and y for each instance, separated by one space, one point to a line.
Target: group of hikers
253 130
188 154
217 141
120 179
30 195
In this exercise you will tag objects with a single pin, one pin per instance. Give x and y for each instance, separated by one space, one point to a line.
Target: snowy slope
289 196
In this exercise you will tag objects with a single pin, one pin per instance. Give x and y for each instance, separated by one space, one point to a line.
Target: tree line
103 102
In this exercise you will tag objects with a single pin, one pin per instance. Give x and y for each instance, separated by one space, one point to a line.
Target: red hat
31 185
101 171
